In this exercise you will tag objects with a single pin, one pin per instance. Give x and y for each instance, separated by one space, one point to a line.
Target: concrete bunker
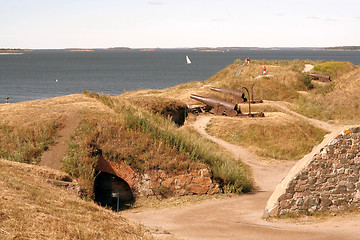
106 184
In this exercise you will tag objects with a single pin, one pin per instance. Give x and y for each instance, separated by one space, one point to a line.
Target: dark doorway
106 184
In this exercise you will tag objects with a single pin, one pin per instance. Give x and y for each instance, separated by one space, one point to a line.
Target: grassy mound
160 144
277 136
338 101
30 208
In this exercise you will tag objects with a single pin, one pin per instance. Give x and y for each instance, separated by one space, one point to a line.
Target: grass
30 208
338 101
278 137
334 69
162 145
27 143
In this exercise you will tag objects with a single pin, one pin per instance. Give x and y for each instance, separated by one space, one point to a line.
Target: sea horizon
38 74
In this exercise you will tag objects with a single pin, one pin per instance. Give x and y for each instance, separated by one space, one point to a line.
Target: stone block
202 180
183 180
205 172
168 183
197 189
181 192
311 201
298 195
285 204
312 180
154 184
325 201
350 186
300 188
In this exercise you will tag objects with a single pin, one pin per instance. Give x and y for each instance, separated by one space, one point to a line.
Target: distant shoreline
10 53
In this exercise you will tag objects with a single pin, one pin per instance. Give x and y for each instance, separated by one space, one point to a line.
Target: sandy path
52 157
240 217
315 122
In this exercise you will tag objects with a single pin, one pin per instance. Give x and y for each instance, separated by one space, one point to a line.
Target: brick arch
120 169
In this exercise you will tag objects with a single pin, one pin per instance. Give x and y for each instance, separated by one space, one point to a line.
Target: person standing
264 70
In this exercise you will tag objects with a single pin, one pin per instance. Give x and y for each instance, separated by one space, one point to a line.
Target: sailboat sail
188 60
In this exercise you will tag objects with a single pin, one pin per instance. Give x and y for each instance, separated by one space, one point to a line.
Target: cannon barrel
320 77
238 95
214 102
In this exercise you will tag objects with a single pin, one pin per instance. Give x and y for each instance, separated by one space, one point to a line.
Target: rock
168 183
285 204
202 180
183 180
197 189
325 201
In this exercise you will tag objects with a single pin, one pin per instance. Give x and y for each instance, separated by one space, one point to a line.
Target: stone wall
151 182
329 181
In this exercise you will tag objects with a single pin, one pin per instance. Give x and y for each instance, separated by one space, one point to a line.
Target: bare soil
240 217
52 157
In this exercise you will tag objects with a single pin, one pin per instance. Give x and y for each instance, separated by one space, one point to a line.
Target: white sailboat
188 59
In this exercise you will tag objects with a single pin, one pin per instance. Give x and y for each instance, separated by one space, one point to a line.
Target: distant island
120 48
11 51
344 48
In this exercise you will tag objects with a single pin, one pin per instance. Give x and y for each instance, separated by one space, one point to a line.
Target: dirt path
52 157
266 173
240 217
315 122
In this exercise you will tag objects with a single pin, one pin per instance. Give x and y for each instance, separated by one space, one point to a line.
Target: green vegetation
27 143
289 139
334 69
159 145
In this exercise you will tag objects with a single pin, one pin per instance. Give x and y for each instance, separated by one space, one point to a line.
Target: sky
45 24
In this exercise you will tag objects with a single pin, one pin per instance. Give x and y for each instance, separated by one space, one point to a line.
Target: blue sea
41 74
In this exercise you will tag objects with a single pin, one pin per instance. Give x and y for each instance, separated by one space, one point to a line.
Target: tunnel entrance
106 184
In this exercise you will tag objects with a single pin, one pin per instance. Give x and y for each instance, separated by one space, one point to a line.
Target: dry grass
340 103
30 208
278 135
27 129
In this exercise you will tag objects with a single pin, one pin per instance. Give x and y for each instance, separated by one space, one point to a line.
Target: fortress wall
154 182
325 180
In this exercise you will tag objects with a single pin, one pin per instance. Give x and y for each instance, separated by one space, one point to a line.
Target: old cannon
320 77
239 96
220 106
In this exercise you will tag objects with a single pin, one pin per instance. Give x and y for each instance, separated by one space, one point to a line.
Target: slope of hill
31 208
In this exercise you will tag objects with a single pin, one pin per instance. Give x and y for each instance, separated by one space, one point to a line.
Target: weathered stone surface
202 180
330 180
183 180
168 183
197 189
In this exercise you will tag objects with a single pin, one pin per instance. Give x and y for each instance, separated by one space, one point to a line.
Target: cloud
357 18
331 19
281 14
155 3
